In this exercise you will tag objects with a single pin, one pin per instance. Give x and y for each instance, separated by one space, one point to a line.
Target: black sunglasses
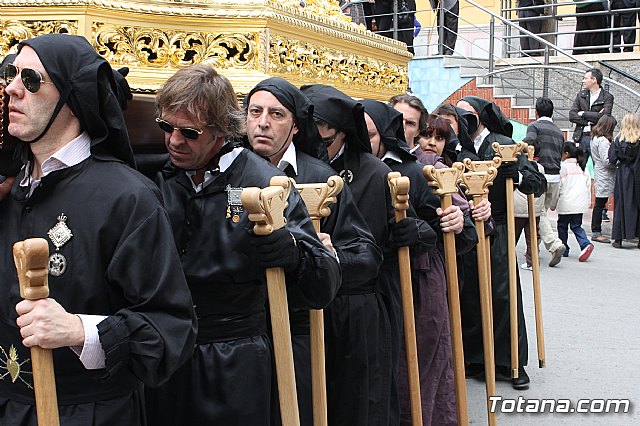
187 132
31 79
330 139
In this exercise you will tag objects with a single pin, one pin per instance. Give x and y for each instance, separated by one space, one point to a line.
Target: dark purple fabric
437 389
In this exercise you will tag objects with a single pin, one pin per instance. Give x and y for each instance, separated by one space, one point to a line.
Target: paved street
592 337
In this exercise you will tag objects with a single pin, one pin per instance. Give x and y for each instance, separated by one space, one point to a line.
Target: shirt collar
339 153
289 158
545 119
223 164
391 155
477 142
74 152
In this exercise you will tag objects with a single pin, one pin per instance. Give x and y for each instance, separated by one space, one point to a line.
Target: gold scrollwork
13 32
137 46
331 66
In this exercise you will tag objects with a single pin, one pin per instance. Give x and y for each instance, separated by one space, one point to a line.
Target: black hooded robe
532 182
121 261
229 379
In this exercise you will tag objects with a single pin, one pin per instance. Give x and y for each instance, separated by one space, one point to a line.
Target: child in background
575 195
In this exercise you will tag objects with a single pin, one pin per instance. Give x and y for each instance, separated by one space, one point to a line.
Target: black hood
491 116
467 126
9 163
87 84
390 125
341 112
307 139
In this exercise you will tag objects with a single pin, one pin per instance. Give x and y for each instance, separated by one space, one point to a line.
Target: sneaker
526 267
556 256
585 253
605 217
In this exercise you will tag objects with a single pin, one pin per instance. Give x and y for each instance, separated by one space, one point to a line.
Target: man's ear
295 129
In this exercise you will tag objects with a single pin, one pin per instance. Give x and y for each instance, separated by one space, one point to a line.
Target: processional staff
399 187
445 182
476 184
32 263
509 154
537 294
483 166
317 197
266 208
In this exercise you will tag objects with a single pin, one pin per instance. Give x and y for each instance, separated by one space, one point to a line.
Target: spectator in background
533 23
448 20
624 152
604 172
547 138
590 104
406 13
622 20
588 26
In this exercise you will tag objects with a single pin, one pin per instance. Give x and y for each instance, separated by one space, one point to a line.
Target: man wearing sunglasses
229 378
113 258
281 128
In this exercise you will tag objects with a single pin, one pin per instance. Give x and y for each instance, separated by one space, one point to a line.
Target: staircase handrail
620 71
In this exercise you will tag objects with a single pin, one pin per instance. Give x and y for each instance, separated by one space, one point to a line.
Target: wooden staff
445 180
317 197
399 186
477 185
484 166
266 208
537 294
509 154
32 261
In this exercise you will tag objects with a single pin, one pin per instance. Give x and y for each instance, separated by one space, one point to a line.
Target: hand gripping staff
483 166
399 186
537 295
477 184
32 260
445 180
266 208
509 154
317 197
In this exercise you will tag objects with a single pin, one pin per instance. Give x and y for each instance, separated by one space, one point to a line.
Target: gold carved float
304 41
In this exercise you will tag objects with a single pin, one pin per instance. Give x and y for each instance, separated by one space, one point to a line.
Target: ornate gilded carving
13 32
314 63
138 46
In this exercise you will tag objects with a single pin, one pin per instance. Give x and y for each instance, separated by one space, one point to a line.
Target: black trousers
621 20
591 22
528 44
449 29
596 215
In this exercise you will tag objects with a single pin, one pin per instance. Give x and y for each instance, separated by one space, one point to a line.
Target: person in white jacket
575 194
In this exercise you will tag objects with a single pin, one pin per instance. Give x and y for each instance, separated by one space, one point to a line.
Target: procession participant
114 261
495 127
414 116
342 126
229 378
427 269
280 127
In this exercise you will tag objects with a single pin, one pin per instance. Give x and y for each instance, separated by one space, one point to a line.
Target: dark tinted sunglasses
187 132
31 79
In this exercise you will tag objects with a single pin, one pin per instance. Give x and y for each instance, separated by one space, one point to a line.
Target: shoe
599 238
617 244
605 217
556 256
473 370
526 267
522 382
585 253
